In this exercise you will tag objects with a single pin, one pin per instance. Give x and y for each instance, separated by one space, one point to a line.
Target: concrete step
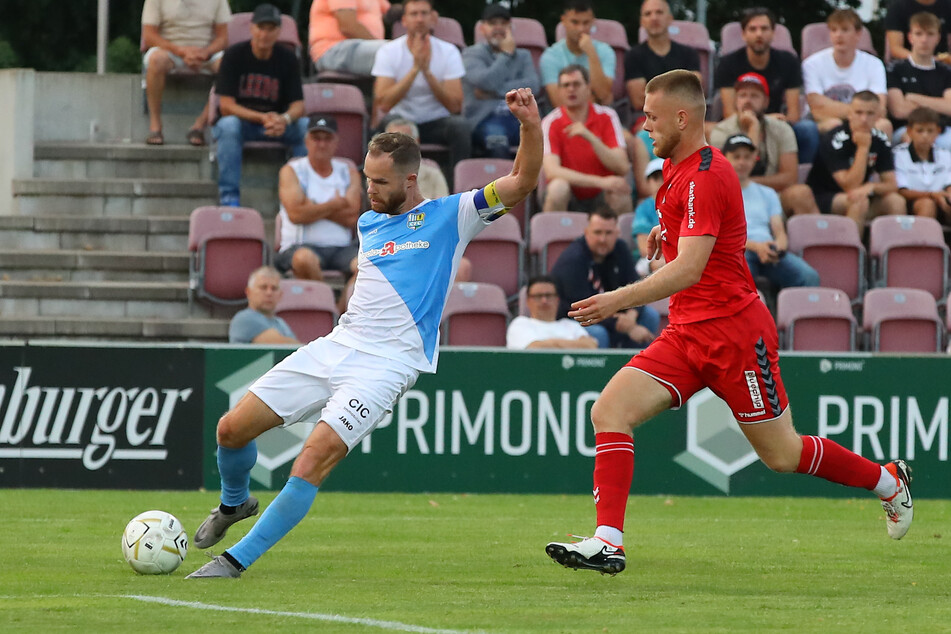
63 265
95 233
111 196
98 300
67 160
101 329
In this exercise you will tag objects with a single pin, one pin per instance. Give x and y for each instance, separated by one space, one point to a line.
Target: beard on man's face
391 206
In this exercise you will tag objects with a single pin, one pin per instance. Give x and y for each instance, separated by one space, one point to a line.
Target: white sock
887 485
611 535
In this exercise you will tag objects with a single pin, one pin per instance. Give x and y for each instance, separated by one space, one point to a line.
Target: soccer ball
154 543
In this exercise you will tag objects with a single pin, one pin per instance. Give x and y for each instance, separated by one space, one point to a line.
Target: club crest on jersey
415 221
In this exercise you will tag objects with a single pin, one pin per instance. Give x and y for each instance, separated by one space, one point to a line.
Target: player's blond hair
685 88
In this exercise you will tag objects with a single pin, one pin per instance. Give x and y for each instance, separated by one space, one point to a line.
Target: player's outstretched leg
213 529
237 503
899 508
591 553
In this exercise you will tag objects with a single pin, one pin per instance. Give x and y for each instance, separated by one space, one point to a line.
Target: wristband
287 118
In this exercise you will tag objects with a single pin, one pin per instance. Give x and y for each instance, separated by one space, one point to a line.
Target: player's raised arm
519 183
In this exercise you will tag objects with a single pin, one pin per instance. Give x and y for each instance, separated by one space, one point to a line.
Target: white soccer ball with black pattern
154 543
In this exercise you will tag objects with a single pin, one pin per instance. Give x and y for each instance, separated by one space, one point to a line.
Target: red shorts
736 357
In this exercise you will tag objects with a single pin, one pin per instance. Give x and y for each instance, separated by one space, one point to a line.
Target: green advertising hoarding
499 421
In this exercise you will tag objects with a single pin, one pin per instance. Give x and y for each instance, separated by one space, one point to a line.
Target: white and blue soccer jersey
406 267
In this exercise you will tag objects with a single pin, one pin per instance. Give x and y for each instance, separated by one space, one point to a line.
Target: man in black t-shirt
657 55
260 99
898 20
919 81
847 157
782 71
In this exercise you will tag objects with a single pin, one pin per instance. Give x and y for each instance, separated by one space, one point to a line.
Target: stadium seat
345 102
909 252
447 29
610 32
813 318
225 245
901 320
696 36
479 172
239 30
496 255
815 37
831 245
308 307
731 38
550 233
476 315
528 33
624 224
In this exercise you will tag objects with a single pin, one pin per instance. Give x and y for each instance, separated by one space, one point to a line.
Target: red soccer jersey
701 196
574 151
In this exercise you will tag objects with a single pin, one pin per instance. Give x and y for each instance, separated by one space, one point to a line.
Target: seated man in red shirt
585 162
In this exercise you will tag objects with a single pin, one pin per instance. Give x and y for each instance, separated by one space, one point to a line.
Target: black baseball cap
266 13
737 141
322 123
493 11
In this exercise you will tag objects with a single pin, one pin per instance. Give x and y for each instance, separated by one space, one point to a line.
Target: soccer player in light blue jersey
410 248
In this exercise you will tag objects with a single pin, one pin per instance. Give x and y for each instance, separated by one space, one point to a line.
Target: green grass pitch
424 563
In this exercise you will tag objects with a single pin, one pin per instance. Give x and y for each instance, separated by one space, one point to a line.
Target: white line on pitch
334 618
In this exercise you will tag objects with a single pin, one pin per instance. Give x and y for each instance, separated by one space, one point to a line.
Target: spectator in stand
493 68
776 158
646 218
179 35
257 323
657 55
848 156
922 169
430 180
783 74
831 76
541 330
578 49
598 262
766 241
586 160
419 78
898 21
260 98
321 200
344 35
919 81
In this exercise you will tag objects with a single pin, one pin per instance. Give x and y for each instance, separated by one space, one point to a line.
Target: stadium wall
491 421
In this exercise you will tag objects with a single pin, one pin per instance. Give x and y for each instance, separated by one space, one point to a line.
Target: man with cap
260 99
320 202
776 163
766 241
494 67
782 71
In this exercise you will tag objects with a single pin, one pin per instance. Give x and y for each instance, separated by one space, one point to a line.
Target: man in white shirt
419 77
541 330
834 74
320 203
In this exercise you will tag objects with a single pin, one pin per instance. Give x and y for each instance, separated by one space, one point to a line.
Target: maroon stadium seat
226 244
909 252
476 315
496 255
550 233
479 172
812 318
831 245
308 307
345 102
901 320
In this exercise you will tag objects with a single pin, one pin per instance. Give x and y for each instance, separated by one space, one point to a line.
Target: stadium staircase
97 248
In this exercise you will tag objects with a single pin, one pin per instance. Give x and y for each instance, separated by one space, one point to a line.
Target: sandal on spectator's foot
155 138
195 137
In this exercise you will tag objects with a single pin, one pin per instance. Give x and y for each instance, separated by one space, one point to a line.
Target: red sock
613 471
829 460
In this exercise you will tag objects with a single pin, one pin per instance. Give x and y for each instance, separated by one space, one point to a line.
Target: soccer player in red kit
720 336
